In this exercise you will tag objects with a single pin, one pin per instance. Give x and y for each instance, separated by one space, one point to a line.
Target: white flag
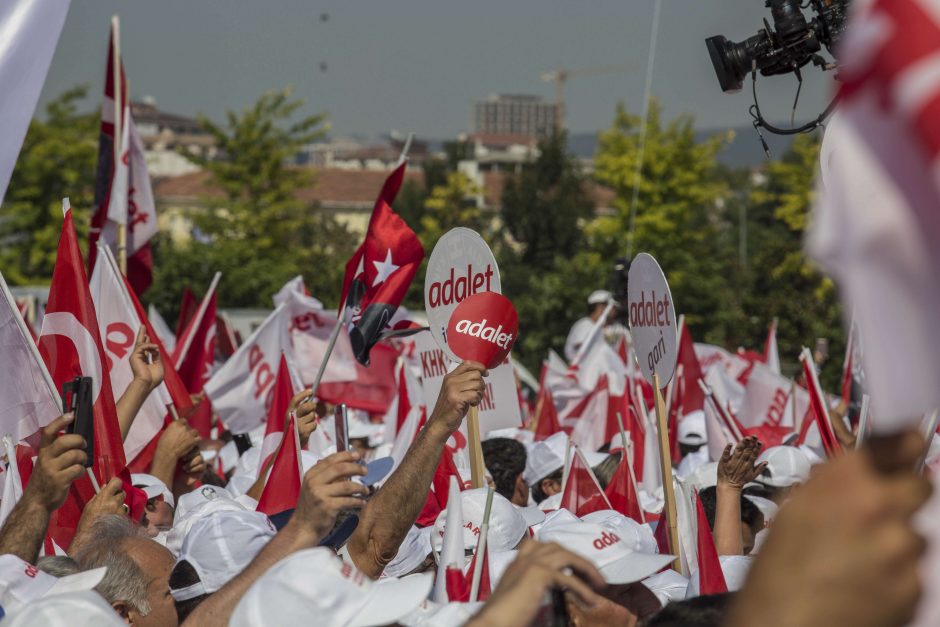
29 31
28 397
118 324
131 199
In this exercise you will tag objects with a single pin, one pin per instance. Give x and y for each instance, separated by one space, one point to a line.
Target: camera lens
730 60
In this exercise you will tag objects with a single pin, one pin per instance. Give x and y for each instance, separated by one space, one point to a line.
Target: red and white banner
118 325
29 399
500 406
241 389
71 346
195 350
771 399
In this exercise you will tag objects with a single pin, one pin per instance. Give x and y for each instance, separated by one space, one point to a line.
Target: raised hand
327 490
461 389
146 361
61 461
736 467
305 411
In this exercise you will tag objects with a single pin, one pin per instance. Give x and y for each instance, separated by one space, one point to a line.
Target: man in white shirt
579 332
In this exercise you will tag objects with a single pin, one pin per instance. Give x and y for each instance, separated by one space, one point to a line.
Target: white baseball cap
614 558
314 584
600 297
551 503
667 586
638 537
199 503
21 582
431 614
767 507
692 428
507 524
152 487
544 457
71 609
220 546
413 550
786 466
705 476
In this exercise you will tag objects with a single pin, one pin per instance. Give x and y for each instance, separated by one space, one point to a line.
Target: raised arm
147 366
326 491
389 515
735 470
60 462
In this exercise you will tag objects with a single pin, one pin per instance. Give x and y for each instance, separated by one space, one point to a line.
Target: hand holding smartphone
76 398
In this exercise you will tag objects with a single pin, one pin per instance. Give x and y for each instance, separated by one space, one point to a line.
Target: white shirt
578 334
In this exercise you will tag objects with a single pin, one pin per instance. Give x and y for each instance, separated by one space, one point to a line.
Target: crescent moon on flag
66 324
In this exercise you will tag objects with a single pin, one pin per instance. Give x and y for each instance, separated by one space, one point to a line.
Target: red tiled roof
493 183
332 187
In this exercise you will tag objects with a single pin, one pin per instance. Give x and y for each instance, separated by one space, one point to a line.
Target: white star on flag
384 268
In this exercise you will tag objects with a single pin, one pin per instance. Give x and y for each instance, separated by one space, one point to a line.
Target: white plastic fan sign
460 265
652 319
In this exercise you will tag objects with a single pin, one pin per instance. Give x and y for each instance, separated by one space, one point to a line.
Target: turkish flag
583 493
195 350
188 307
380 271
282 488
711 578
546 418
277 412
70 345
622 492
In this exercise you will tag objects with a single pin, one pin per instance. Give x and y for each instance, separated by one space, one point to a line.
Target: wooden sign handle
477 468
665 464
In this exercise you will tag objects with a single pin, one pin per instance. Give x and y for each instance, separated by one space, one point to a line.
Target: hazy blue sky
418 65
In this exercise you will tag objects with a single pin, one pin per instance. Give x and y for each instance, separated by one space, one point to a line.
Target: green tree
680 216
57 160
782 282
259 232
543 266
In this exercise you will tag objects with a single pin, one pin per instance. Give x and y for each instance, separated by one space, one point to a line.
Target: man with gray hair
137 581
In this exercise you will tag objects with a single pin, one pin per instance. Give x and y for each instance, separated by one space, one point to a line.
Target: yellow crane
560 76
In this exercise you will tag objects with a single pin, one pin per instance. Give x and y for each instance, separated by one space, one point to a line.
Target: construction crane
560 77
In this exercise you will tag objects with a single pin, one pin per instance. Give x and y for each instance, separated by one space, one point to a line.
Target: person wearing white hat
597 301
414 554
508 524
72 609
638 537
158 515
199 503
615 558
315 585
545 462
215 550
22 583
692 439
787 466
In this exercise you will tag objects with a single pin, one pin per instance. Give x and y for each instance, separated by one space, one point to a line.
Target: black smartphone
341 421
242 442
76 398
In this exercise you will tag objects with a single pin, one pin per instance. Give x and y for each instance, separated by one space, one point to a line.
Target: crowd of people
800 539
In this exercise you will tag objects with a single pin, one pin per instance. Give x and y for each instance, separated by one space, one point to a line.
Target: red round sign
483 328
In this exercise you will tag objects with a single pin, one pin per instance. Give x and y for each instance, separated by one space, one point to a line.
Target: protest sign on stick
652 317
460 266
482 329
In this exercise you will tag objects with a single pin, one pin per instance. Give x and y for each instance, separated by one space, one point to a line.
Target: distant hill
744 150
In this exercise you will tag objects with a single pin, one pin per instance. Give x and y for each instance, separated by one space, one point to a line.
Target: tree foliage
57 160
258 232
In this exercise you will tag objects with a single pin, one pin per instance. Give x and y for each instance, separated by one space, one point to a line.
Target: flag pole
118 127
341 311
474 441
480 560
665 461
